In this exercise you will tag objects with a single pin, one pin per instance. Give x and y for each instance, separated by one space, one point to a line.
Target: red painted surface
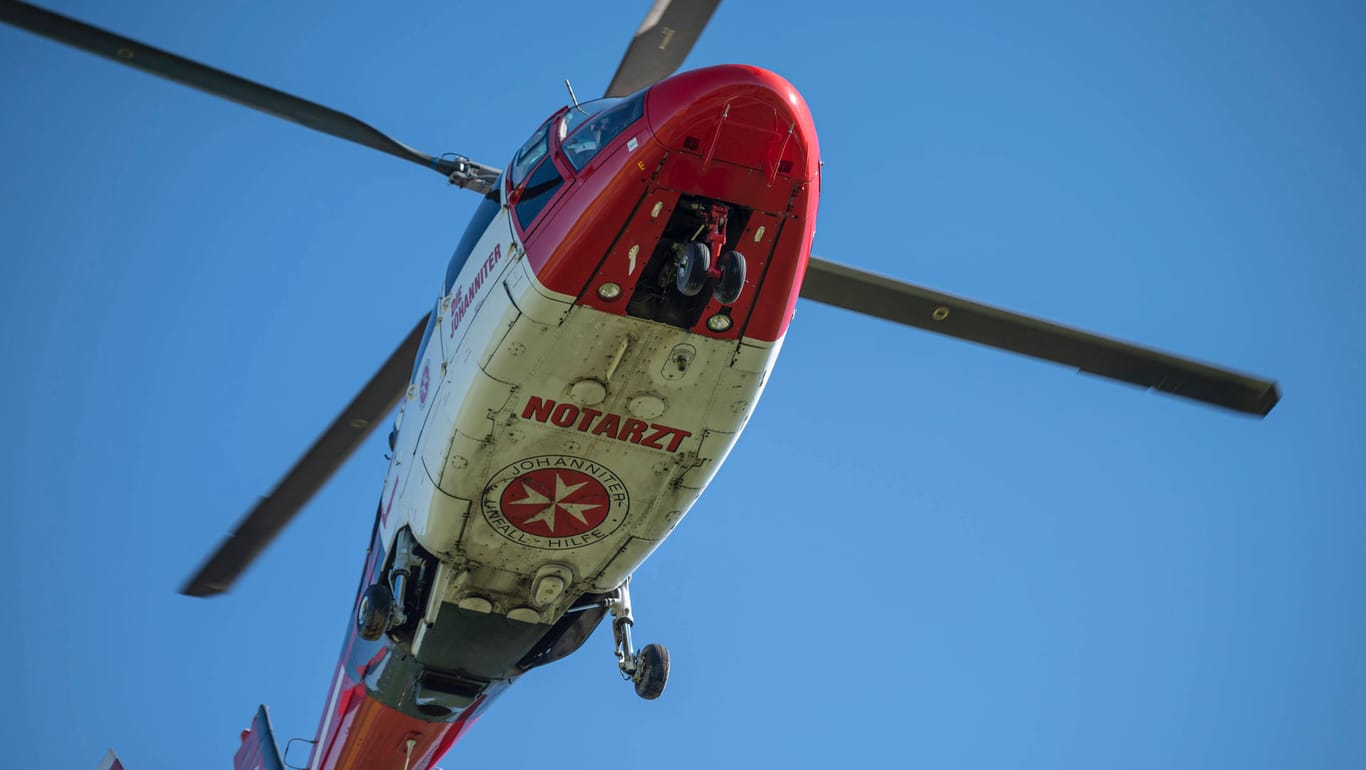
741 114
369 734
555 502
734 133
259 750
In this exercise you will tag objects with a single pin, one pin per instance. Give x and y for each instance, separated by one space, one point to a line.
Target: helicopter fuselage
571 400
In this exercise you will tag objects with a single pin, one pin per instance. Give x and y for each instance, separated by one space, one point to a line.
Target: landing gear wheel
692 266
652 671
372 616
727 289
648 669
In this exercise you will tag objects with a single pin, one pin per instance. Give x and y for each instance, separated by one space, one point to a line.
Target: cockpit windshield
578 115
587 128
530 154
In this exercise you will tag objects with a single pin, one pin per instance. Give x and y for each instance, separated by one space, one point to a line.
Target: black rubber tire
732 266
693 265
372 615
652 672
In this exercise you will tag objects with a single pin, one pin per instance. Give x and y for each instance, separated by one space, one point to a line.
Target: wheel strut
647 669
619 603
717 216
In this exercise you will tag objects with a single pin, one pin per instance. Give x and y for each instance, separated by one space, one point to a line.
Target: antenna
572 97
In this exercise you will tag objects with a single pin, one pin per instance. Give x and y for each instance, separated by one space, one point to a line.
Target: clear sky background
922 553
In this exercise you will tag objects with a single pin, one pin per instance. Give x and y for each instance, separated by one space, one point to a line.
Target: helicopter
571 406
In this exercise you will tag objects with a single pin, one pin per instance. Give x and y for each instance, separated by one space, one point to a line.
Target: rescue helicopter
606 327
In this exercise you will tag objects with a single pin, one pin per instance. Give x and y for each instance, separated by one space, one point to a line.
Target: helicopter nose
736 114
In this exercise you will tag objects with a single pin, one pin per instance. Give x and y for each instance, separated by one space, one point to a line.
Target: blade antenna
572 97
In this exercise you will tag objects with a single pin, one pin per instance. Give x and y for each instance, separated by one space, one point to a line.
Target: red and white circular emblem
555 502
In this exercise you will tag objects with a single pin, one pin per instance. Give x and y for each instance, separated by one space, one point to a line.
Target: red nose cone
735 113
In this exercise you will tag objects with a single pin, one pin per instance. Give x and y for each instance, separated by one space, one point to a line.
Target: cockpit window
582 112
585 130
530 154
540 188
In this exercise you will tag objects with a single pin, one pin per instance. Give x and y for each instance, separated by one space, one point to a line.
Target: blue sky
922 553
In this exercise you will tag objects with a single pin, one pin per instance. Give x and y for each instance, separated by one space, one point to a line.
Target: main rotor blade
333 447
670 29
881 297
460 171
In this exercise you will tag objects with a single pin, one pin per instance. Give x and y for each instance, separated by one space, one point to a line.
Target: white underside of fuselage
546 449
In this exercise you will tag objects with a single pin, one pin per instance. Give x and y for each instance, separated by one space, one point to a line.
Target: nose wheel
730 277
691 268
694 264
648 669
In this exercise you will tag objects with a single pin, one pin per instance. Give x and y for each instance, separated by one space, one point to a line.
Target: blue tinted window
488 209
540 188
530 154
587 140
576 116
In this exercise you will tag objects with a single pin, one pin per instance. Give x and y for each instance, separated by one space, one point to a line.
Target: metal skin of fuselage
555 432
